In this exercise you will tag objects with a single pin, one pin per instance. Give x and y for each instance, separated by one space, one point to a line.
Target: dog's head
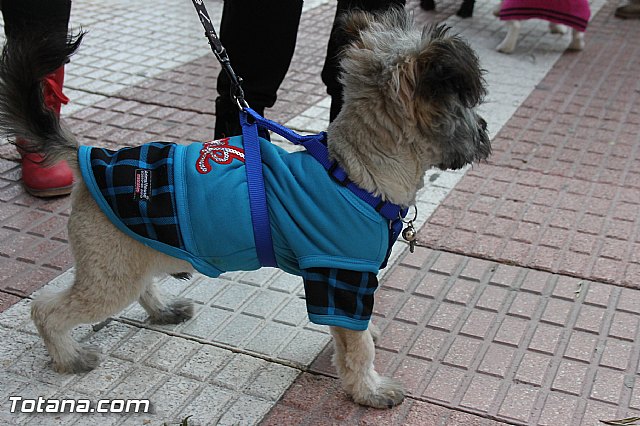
420 85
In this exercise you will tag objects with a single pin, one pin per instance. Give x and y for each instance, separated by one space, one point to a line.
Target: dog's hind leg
161 312
353 359
92 298
508 45
111 272
54 315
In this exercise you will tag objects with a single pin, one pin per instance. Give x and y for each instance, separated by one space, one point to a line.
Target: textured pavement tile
561 189
180 377
517 358
317 400
260 312
7 300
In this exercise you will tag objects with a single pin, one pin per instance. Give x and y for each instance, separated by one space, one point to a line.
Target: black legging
264 32
28 16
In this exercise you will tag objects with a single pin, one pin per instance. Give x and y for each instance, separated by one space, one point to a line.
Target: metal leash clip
237 94
409 233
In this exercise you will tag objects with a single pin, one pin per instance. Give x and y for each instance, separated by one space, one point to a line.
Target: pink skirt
573 13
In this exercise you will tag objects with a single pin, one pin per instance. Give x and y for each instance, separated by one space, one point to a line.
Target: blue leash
316 146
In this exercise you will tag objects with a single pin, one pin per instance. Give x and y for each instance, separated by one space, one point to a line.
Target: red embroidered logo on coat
218 151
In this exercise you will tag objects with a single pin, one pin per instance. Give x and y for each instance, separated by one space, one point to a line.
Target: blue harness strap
257 195
316 146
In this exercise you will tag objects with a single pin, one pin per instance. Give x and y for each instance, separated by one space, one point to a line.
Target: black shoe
629 11
427 4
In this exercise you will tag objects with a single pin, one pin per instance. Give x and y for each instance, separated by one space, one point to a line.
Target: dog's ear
448 66
356 22
352 24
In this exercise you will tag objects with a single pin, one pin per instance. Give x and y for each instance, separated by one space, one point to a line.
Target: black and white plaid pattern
331 291
153 215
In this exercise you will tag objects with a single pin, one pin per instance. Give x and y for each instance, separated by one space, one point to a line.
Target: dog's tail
24 63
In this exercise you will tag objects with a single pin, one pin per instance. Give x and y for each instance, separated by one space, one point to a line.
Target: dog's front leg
508 45
353 359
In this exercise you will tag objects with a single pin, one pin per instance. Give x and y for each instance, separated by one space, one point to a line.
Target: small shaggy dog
409 100
572 13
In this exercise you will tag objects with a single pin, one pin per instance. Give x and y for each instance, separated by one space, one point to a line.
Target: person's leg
466 9
631 10
260 38
338 40
51 18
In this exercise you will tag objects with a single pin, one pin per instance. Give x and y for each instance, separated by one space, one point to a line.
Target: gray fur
409 106
409 100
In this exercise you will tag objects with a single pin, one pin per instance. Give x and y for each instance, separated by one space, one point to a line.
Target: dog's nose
483 123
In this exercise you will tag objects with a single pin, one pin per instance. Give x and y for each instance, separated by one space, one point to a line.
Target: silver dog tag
409 234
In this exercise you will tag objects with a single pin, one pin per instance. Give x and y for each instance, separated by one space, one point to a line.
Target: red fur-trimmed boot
40 180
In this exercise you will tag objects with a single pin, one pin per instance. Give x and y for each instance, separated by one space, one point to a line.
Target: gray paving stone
238 331
246 410
172 395
270 338
272 381
208 406
206 322
140 382
14 344
35 364
206 361
138 345
305 347
100 380
239 371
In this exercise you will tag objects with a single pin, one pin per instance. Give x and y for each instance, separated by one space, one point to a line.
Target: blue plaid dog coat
190 202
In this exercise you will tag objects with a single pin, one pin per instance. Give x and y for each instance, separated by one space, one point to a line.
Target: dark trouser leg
337 42
35 15
260 37
22 17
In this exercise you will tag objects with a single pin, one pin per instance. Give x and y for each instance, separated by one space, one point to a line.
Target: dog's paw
557 28
86 359
577 43
506 47
388 394
178 311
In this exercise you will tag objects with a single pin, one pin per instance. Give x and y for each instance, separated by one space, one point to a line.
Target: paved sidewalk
520 306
